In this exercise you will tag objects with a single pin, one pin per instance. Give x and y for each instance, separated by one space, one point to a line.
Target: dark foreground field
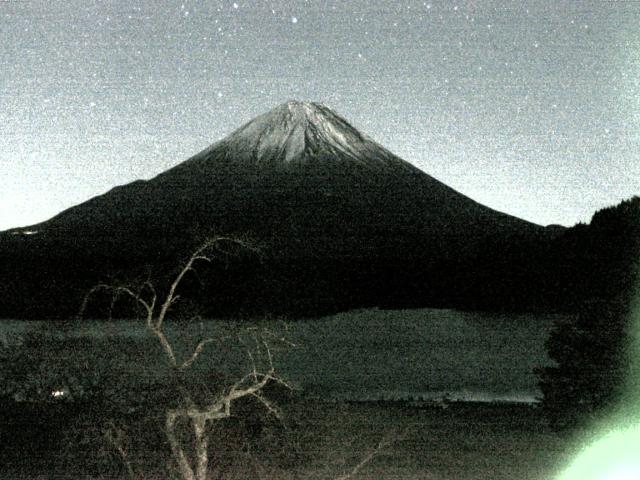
462 441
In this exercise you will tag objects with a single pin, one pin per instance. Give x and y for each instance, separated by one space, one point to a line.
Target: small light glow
58 393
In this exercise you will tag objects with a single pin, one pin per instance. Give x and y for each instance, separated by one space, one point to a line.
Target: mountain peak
303 107
296 129
302 110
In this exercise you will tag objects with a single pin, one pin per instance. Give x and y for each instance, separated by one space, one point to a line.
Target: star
259 60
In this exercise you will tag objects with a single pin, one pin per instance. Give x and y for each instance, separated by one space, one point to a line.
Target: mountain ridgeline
339 221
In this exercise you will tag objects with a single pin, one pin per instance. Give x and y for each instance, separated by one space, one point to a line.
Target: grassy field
362 354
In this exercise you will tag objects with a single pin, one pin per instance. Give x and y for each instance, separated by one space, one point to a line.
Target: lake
360 355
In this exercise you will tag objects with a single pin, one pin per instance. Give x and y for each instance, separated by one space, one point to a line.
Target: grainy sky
530 107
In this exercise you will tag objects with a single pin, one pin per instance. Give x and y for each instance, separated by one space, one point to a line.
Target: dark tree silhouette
601 264
591 364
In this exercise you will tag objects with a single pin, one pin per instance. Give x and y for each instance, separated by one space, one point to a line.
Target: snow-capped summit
295 130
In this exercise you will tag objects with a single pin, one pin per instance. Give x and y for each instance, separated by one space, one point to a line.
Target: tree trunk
186 472
201 450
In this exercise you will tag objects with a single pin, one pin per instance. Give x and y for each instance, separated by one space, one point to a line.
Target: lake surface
360 355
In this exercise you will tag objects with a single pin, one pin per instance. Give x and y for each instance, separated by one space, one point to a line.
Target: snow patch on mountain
295 130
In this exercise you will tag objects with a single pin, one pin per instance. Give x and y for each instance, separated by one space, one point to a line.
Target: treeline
594 370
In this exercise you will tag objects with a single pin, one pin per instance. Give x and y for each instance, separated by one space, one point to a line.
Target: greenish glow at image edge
612 451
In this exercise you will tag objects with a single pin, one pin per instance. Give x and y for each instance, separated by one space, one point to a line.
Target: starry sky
530 107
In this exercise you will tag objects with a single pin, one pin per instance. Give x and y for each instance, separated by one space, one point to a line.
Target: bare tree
191 456
194 464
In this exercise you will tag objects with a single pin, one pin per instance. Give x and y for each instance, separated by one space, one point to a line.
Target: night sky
532 108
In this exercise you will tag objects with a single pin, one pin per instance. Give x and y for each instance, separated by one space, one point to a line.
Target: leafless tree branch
196 353
384 442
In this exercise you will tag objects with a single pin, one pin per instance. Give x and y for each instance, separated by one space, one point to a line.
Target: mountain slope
299 160
341 221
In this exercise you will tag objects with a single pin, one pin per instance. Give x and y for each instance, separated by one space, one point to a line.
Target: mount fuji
341 223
